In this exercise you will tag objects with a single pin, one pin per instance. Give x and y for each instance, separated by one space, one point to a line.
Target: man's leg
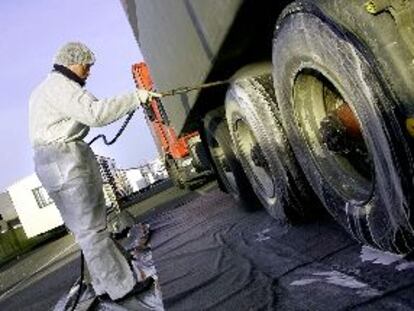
82 206
70 174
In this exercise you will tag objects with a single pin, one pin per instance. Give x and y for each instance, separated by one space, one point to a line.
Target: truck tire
318 67
261 146
228 169
198 153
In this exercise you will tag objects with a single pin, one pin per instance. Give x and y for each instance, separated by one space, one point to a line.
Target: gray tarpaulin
211 255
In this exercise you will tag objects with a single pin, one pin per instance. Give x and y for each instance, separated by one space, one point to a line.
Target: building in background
154 171
116 184
146 175
120 183
35 209
29 217
136 179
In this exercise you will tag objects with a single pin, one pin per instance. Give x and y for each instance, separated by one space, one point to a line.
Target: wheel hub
333 135
254 159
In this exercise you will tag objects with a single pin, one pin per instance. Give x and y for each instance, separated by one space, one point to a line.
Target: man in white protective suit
61 111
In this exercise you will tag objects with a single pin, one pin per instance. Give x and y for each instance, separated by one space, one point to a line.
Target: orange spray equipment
170 143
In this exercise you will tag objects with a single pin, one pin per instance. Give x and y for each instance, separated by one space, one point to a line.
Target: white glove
145 96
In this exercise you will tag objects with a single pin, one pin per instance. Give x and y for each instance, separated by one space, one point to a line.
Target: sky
30 34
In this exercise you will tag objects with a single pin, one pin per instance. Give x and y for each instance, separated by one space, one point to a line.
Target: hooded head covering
74 53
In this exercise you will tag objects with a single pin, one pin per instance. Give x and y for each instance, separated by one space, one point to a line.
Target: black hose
118 134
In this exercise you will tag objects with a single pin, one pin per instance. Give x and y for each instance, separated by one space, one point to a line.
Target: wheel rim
225 167
348 170
253 157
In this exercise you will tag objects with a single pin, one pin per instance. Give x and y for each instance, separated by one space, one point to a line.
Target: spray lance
187 89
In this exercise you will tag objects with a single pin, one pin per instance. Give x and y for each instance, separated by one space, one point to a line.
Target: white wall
136 179
35 220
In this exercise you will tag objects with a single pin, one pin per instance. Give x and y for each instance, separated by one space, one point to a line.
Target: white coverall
60 114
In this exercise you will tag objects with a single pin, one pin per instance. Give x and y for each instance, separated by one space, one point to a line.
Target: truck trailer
318 112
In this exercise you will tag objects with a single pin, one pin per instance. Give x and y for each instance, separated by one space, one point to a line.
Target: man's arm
99 112
85 108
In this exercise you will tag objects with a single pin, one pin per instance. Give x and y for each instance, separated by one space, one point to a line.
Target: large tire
261 146
198 153
316 66
232 178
